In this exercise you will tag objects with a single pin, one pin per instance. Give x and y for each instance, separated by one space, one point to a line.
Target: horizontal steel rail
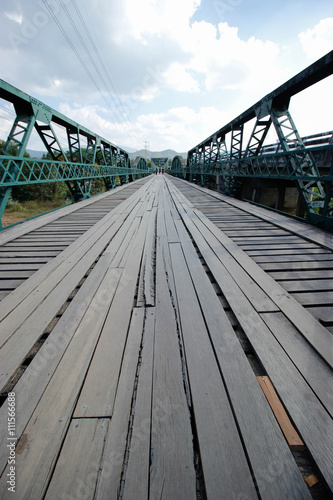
224 155
23 171
86 156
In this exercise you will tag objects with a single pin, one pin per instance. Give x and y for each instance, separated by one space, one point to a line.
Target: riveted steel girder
88 156
297 163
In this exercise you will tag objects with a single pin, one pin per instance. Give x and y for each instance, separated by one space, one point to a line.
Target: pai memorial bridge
167 339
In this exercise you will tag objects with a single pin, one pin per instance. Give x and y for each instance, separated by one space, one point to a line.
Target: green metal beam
101 158
297 163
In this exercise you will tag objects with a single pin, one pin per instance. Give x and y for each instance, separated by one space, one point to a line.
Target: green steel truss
225 156
178 167
87 155
159 163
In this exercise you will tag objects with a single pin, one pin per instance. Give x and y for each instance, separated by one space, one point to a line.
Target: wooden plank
312 330
125 248
225 261
31 386
146 289
308 362
31 225
325 314
220 444
16 267
299 275
136 480
172 473
293 439
303 406
307 285
98 393
258 428
314 298
77 467
311 480
50 275
316 235
51 418
51 296
325 257
290 250
108 485
23 253
296 266
15 274
8 284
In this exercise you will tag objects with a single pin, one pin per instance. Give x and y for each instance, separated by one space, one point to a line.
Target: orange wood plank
281 416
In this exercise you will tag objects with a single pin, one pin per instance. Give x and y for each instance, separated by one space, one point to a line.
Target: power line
74 49
81 60
86 29
92 60
107 74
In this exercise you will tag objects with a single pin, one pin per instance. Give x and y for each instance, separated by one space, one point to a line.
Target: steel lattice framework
87 156
225 155
159 163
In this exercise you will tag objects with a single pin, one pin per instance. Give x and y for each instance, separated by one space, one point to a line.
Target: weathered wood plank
146 289
314 298
46 279
220 258
325 314
219 440
312 330
108 485
172 473
98 393
31 225
296 257
280 413
258 428
77 467
306 411
15 274
313 368
10 284
51 418
304 230
296 266
31 386
136 480
306 285
299 275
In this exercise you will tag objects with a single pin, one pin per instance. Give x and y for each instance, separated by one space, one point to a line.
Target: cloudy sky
170 72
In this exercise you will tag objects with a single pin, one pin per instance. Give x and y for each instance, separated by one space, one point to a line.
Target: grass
16 212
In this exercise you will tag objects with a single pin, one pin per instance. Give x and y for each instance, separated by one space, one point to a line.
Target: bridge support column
280 198
16 144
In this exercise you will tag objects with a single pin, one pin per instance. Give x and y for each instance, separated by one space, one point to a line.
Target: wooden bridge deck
156 350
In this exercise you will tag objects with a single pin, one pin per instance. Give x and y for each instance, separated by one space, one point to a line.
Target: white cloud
14 16
227 61
176 77
179 128
318 41
167 75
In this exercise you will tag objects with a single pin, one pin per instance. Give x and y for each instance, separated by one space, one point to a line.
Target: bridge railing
235 161
18 171
85 157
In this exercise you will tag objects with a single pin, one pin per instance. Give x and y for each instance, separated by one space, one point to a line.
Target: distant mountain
129 150
169 153
35 154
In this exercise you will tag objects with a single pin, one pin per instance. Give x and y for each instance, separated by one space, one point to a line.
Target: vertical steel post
15 145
